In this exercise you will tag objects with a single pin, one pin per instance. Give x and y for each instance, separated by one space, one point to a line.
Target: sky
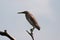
46 12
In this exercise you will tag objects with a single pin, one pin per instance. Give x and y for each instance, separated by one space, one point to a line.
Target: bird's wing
33 21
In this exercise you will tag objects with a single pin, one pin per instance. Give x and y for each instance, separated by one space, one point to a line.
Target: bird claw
31 30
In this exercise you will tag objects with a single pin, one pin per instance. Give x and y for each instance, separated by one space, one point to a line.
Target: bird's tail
38 27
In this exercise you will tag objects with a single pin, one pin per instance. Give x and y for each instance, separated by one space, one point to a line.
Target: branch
31 33
6 34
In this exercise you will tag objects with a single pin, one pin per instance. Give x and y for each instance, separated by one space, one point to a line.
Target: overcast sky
46 12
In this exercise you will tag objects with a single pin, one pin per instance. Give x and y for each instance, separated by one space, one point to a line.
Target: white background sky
46 12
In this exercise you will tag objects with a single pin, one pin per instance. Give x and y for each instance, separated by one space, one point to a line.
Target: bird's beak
20 12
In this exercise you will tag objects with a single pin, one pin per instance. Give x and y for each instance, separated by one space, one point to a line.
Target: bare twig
31 33
6 34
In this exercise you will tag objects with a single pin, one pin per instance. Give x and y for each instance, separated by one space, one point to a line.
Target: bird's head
24 12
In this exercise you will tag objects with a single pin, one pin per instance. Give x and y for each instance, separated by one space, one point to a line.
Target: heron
30 18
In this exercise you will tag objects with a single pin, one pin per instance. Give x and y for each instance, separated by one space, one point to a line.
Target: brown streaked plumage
30 19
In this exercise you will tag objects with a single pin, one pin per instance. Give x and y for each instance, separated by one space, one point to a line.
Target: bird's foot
31 30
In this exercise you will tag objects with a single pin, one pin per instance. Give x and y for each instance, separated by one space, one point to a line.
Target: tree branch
31 33
6 34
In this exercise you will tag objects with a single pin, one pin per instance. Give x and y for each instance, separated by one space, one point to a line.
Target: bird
30 18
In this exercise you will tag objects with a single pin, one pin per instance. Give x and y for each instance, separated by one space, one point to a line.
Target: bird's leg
32 30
